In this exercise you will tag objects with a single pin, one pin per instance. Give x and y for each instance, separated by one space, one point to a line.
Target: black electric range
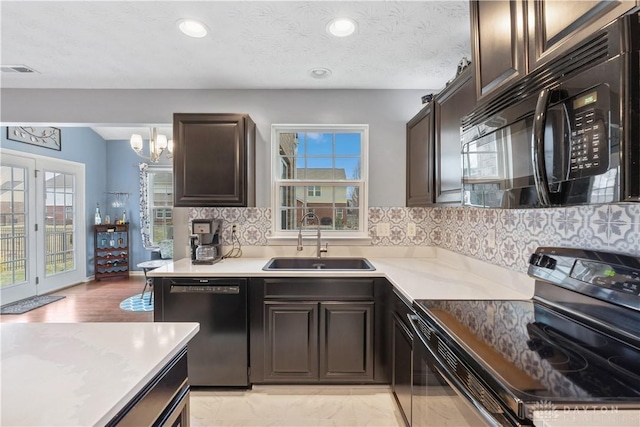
575 344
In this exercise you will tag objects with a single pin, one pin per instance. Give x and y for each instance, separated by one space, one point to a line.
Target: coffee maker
205 242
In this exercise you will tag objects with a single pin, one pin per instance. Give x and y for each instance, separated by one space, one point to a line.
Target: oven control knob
533 259
547 262
543 261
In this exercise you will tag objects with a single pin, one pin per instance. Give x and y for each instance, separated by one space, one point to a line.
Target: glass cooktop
530 352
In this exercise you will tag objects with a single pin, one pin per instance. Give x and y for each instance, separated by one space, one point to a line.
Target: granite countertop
445 275
80 374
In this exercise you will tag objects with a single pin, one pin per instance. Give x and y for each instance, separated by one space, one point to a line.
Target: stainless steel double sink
295 263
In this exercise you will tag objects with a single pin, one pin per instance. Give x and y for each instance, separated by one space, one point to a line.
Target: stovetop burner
560 359
564 353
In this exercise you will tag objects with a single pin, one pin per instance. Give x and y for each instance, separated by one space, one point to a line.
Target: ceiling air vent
16 69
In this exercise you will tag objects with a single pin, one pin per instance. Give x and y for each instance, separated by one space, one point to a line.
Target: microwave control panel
589 135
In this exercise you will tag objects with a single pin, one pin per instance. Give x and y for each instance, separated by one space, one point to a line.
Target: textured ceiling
251 45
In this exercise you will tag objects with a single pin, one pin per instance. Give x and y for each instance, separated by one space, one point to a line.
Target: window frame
314 191
279 236
147 214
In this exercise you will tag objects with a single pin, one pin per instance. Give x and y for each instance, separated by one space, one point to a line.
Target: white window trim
287 237
146 209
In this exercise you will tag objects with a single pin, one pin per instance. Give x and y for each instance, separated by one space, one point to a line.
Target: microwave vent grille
590 53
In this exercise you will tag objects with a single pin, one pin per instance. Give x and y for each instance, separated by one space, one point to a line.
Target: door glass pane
13 238
59 231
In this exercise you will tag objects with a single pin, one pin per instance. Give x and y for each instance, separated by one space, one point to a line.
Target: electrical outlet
491 239
411 229
234 228
383 229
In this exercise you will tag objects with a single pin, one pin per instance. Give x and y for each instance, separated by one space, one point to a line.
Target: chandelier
158 143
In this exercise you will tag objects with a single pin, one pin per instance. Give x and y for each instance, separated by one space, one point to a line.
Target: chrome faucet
319 249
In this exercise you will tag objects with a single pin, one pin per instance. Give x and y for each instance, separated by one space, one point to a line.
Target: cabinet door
497 31
346 341
291 341
214 160
420 158
558 26
402 367
453 103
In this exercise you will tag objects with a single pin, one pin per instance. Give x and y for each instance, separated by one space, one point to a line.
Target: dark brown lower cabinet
164 401
291 341
346 341
319 330
325 341
402 367
402 356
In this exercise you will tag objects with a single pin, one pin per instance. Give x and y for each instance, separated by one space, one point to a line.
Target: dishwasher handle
204 285
205 289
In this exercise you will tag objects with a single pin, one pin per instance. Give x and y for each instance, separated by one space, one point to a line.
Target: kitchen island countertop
81 374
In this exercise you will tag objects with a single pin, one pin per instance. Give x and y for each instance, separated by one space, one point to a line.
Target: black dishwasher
218 354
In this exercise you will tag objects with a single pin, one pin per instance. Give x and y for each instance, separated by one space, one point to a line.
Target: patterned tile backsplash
469 231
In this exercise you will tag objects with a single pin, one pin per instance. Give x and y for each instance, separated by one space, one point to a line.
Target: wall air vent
16 69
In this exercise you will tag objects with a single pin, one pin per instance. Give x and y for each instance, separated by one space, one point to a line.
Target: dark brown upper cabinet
434 163
420 138
498 44
513 38
214 160
558 26
451 105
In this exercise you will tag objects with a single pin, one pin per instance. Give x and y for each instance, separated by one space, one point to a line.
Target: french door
42 227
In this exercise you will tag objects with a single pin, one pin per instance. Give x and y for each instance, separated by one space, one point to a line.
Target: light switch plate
491 239
411 229
383 229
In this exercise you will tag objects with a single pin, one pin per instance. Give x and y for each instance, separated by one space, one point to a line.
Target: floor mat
28 304
138 302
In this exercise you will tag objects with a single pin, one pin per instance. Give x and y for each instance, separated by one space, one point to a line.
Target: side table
148 266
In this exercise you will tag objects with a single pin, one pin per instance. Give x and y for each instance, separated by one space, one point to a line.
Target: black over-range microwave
566 134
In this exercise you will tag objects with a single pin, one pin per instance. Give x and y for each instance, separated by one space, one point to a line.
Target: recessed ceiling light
192 28
341 27
320 73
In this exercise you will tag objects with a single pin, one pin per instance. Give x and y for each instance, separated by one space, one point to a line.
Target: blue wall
109 167
81 145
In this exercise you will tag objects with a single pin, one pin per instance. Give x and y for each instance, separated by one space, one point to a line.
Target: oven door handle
455 384
537 147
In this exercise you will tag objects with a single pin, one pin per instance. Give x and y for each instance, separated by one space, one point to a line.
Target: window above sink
321 169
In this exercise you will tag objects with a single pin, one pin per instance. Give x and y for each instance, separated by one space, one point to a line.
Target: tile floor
303 406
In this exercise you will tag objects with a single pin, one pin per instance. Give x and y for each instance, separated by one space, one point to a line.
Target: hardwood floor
96 301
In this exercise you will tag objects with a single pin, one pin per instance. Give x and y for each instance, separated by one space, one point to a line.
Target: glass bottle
98 218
